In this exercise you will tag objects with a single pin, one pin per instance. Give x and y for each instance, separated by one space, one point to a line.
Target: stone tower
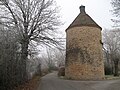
84 59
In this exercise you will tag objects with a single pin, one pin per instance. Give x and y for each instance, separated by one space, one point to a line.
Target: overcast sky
99 10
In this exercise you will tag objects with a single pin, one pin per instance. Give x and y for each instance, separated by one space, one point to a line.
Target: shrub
61 71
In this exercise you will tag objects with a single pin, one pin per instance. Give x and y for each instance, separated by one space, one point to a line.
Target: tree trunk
116 67
24 58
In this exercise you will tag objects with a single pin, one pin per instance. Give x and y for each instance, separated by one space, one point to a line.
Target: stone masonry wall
84 60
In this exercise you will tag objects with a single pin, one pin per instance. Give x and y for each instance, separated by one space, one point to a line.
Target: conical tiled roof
83 19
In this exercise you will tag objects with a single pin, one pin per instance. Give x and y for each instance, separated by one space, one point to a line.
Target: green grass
111 77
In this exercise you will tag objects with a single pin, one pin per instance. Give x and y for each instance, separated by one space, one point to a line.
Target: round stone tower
84 57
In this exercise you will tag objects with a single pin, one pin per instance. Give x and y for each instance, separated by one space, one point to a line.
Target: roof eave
82 26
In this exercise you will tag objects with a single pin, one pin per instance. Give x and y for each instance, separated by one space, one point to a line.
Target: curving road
52 82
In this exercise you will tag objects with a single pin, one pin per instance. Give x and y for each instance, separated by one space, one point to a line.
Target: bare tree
116 11
49 59
112 45
59 57
34 20
52 59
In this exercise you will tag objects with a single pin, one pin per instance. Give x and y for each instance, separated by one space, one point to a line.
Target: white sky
99 10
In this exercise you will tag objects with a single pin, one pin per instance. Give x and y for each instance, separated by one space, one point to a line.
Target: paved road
52 82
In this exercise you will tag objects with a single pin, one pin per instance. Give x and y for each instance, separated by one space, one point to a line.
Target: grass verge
111 77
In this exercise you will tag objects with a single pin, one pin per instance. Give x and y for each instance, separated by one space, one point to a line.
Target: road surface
52 82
